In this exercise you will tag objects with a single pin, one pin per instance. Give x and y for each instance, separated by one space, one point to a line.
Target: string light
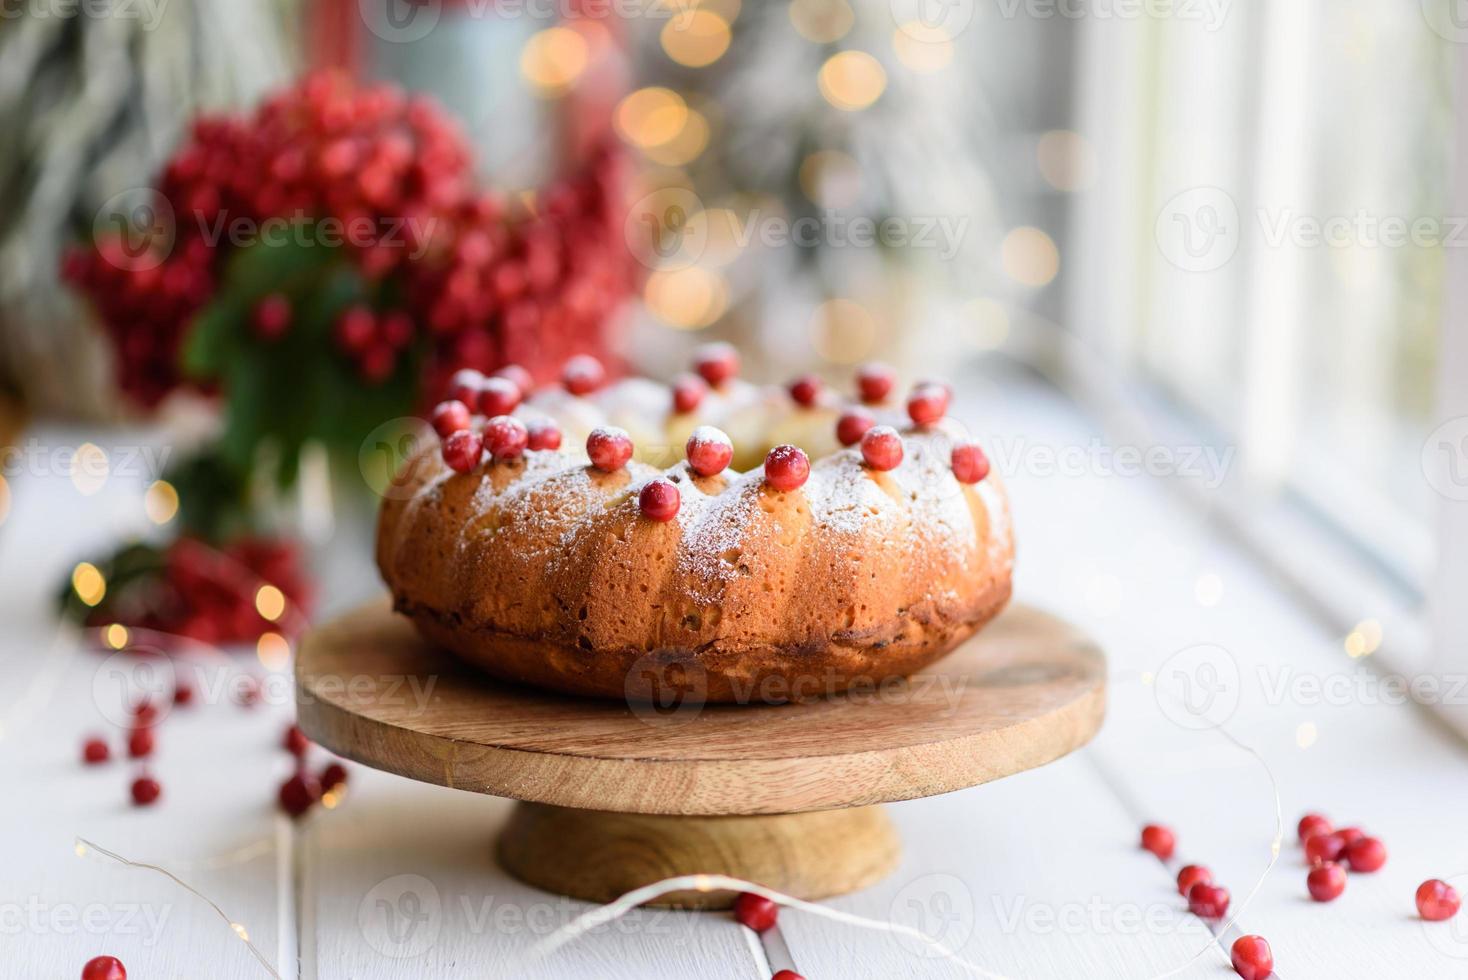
89 468
852 80
115 636
821 21
1029 257
1364 640
160 502
553 59
696 39
273 651
686 145
270 602
88 583
650 116
1066 160
688 299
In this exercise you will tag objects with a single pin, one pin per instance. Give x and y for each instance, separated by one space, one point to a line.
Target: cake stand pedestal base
597 856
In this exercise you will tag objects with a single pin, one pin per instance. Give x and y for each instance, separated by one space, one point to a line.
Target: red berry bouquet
319 265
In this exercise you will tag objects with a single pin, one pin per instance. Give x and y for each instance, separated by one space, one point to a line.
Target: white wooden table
1038 875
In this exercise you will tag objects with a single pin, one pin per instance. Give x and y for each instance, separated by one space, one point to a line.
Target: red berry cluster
304 788
1329 852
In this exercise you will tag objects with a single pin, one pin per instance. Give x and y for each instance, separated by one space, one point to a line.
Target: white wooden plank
401 881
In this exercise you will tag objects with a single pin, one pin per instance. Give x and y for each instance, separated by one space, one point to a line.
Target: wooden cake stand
618 795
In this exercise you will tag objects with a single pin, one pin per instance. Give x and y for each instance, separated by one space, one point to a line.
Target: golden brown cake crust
542 570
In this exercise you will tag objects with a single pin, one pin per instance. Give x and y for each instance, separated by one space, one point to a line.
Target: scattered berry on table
1312 824
1159 840
104 968
1366 855
1252 958
1190 875
1326 882
146 790
1437 900
95 751
1208 901
755 911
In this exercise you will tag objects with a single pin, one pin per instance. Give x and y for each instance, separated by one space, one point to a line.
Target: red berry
506 437
716 363
1326 882
518 376
95 751
295 741
710 450
806 390
299 793
688 392
787 468
464 386
333 775
146 791
659 500
1190 876
1366 855
1159 840
462 449
377 364
272 317
1312 824
1323 848
145 714
1207 900
928 403
1252 958
183 694
609 448
544 434
970 465
852 425
1349 835
875 381
396 329
1437 900
140 743
450 417
787 975
498 396
354 329
755 911
583 374
881 448
104 968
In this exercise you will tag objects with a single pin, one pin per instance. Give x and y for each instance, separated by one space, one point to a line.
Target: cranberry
95 751
333 775
1366 855
583 374
1349 835
498 397
970 465
787 468
806 390
299 793
272 317
518 376
1326 882
1159 840
396 329
609 448
709 450
755 911
659 500
146 791
295 741
183 694
1207 900
248 694
462 449
1190 876
506 437
1252 958
104 968
787 975
543 434
450 417
875 381
688 392
852 425
1323 848
1437 900
140 743
928 403
881 448
355 329
464 386
716 363
1312 824
145 714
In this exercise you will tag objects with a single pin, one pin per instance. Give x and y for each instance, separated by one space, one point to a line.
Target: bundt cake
600 539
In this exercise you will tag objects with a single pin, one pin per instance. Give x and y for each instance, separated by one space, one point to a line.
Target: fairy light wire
85 847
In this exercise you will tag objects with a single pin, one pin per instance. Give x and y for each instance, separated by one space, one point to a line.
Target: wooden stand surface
618 795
